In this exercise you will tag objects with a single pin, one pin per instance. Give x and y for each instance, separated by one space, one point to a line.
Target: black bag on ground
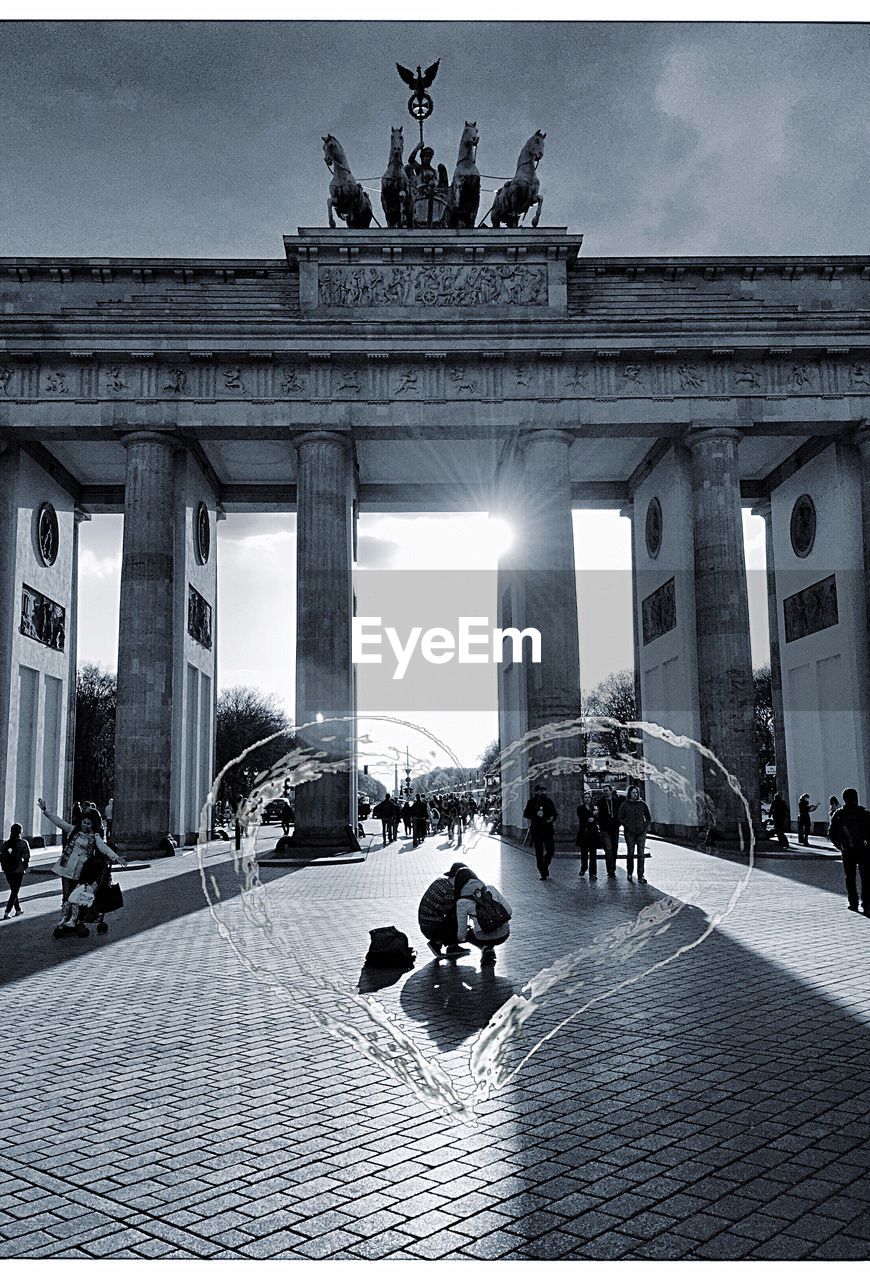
390 949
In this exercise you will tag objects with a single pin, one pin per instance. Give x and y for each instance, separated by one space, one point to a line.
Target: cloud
376 553
101 568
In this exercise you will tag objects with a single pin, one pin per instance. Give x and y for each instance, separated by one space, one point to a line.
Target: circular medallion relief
203 534
654 528
803 526
47 533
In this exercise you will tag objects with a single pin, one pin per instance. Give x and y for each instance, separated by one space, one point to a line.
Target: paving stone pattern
164 1103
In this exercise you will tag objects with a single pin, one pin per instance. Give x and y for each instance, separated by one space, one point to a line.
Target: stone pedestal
143 720
324 608
722 622
543 585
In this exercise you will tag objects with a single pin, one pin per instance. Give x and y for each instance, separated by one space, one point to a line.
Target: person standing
407 820
587 837
779 819
14 859
110 809
833 806
805 822
850 832
635 819
541 814
608 822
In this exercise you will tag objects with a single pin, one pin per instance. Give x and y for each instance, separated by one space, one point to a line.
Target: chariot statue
417 193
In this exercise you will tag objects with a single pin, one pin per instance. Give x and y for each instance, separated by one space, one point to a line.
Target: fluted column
324 609
143 719
764 510
725 689
545 558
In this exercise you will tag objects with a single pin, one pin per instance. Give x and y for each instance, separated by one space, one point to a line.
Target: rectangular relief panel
42 619
659 612
198 617
811 610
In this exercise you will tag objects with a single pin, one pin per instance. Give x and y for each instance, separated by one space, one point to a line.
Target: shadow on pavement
27 945
453 999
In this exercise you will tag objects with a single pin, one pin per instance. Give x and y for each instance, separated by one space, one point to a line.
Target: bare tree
246 715
614 698
489 757
765 748
94 764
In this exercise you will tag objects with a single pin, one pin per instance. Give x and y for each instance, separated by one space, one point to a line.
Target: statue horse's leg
539 201
329 208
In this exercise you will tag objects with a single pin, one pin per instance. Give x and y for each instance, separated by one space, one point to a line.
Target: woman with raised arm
79 862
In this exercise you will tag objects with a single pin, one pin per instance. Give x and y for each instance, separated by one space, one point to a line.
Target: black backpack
490 915
390 949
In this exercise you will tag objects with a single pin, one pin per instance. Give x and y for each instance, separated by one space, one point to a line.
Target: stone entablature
393 273
462 374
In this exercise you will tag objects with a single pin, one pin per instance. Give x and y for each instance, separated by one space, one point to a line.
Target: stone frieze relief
416 286
456 376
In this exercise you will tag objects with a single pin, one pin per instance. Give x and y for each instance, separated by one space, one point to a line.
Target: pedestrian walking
634 818
608 822
541 815
850 833
14 860
384 811
286 817
490 912
109 814
420 819
833 806
805 822
779 818
393 818
407 820
436 915
587 837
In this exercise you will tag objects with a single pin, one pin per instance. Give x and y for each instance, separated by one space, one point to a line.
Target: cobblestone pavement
163 1101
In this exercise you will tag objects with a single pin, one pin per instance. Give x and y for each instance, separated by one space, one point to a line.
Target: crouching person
436 915
490 912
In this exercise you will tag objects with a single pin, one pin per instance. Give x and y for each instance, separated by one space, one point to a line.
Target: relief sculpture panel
460 286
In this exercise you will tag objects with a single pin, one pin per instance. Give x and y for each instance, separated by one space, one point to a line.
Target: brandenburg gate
679 390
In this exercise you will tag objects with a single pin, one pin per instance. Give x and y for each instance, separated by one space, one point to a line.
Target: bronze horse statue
465 188
346 195
395 188
513 200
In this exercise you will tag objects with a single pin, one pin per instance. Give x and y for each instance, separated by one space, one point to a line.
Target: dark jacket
778 812
850 830
15 857
608 812
634 817
540 812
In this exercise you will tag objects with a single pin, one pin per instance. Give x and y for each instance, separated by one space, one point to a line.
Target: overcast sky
205 139
156 139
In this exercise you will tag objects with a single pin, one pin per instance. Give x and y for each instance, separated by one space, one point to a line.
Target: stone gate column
545 558
324 609
143 720
863 442
764 510
725 688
